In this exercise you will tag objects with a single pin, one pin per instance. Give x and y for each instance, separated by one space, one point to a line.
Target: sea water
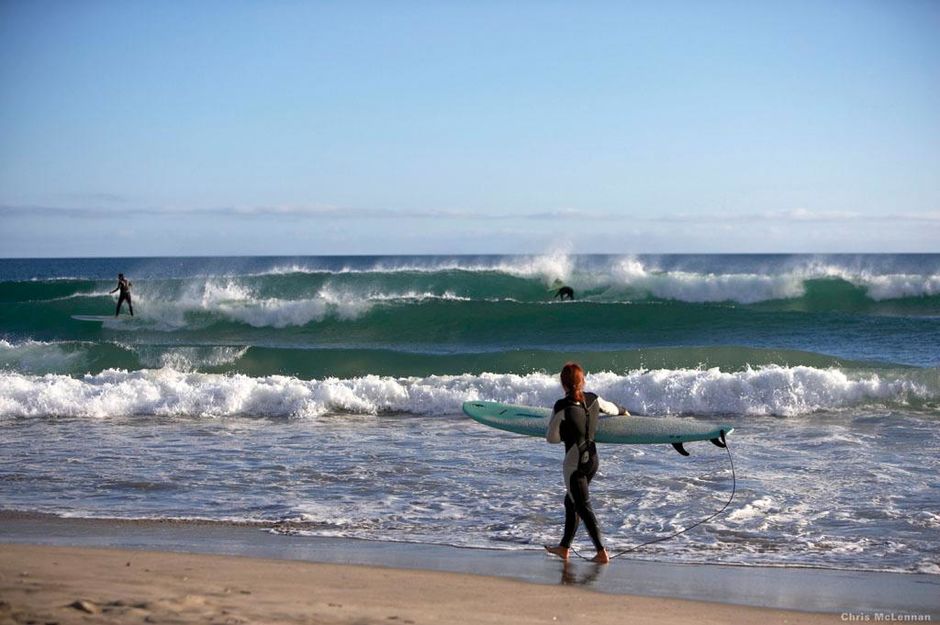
321 396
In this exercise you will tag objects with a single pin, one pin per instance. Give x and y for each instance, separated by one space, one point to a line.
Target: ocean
321 396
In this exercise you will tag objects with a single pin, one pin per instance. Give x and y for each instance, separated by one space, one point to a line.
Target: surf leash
734 487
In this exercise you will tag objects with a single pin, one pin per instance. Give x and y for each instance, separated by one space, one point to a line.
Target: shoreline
17 516
68 585
806 590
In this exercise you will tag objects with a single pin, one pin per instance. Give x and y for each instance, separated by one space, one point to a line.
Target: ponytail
572 379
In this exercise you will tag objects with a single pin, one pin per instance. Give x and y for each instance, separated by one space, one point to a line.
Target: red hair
572 379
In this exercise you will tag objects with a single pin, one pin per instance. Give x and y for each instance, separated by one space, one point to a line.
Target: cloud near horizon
342 213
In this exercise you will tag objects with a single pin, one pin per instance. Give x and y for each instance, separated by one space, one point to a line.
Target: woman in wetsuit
574 421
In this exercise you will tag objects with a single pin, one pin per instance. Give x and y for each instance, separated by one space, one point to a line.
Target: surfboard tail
680 448
720 441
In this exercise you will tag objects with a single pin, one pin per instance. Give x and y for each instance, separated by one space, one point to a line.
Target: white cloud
326 211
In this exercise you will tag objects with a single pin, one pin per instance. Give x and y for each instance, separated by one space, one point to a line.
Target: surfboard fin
719 442
678 447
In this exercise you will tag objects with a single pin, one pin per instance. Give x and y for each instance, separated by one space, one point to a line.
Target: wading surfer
574 422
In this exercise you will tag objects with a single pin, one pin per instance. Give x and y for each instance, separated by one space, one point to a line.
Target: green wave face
417 316
79 357
902 293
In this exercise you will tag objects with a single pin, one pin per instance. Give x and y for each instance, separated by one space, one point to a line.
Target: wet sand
55 570
44 584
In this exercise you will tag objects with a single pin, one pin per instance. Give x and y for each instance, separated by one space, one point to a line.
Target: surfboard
100 318
625 430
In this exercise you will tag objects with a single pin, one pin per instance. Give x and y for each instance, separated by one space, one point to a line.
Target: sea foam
745 288
264 297
40 356
683 281
770 390
233 301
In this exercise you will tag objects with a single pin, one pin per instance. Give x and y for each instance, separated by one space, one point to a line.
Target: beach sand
43 584
210 572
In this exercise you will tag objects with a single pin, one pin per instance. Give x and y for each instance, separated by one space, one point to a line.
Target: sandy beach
354 312
42 584
199 572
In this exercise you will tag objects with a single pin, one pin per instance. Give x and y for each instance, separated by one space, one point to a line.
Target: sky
132 128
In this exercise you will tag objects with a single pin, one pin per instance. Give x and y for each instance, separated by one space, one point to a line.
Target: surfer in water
561 291
124 286
574 422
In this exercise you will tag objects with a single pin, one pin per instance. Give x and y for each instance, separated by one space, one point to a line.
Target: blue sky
151 128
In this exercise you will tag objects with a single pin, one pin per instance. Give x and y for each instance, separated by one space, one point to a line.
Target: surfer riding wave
574 422
124 286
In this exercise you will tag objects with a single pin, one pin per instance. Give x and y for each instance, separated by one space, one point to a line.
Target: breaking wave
768 390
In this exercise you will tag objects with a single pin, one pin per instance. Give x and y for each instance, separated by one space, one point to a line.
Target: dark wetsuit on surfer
574 422
124 286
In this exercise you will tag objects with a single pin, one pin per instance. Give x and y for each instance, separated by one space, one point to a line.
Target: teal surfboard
626 430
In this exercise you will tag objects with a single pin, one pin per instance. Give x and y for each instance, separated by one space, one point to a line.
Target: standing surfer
574 421
124 286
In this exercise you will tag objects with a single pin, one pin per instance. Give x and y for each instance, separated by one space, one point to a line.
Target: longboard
100 318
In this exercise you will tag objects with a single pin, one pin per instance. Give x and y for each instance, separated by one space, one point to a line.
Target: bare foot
561 552
601 557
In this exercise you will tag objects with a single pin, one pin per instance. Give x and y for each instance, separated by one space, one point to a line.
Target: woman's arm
554 427
609 407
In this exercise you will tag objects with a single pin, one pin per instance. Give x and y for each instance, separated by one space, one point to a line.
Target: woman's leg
571 522
581 499
571 526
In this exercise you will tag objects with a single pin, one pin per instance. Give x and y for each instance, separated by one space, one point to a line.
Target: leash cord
734 486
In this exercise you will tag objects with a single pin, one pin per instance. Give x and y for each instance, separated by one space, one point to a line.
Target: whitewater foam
770 390
881 287
546 267
81 295
745 288
39 356
693 279
638 275
235 301
187 358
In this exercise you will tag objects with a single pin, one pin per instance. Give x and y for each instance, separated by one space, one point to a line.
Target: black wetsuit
125 287
576 424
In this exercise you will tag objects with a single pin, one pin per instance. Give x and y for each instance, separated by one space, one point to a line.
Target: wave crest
678 280
769 390
241 303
